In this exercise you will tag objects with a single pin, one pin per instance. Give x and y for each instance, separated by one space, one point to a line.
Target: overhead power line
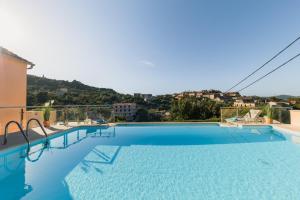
276 55
286 62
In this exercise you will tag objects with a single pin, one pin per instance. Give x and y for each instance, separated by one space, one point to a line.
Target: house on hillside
146 97
293 102
244 103
185 94
13 88
232 95
62 91
278 104
125 110
214 95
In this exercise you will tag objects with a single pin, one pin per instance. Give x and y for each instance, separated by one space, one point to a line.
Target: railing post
280 115
77 114
65 115
22 117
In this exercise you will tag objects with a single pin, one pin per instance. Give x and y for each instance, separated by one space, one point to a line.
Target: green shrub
47 113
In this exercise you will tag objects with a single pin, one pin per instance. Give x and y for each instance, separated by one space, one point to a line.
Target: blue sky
156 46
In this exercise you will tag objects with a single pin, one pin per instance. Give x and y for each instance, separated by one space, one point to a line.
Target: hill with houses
42 89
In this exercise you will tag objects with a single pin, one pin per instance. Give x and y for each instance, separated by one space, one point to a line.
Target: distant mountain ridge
42 89
286 97
47 84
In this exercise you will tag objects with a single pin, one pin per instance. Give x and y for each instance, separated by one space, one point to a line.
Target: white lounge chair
251 116
254 115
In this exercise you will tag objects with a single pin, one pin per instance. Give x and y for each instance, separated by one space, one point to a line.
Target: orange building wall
295 118
13 89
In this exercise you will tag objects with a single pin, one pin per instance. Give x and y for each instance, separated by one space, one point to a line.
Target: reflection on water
13 165
12 176
42 173
34 153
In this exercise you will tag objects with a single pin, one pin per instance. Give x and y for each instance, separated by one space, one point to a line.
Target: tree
42 97
31 100
192 108
161 102
141 115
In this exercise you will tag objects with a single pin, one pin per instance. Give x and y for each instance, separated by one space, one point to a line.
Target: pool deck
16 139
293 130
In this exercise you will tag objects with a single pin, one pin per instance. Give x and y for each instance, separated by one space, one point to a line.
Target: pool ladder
25 135
21 131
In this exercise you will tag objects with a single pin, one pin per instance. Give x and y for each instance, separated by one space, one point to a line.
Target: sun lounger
251 116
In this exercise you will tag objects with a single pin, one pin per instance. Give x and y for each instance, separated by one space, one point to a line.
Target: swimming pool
166 161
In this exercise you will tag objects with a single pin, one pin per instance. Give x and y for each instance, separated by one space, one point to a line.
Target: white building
125 110
243 103
62 91
278 104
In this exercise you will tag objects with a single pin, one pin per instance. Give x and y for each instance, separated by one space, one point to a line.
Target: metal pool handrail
39 123
21 130
41 151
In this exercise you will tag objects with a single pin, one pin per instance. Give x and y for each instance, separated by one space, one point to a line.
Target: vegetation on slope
41 90
192 108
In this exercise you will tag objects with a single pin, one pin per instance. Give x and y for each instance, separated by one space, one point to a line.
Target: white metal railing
280 114
67 115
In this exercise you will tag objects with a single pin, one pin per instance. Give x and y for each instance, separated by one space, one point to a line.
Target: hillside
41 90
285 97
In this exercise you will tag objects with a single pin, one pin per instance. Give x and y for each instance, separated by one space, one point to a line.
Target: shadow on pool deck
17 139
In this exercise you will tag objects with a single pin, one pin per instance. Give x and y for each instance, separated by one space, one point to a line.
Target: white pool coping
287 129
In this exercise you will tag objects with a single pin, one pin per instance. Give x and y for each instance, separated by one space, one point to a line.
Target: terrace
61 118
68 117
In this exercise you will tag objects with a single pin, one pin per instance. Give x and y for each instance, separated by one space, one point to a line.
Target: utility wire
286 62
276 55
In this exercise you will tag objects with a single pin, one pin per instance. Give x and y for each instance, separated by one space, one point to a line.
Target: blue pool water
155 162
